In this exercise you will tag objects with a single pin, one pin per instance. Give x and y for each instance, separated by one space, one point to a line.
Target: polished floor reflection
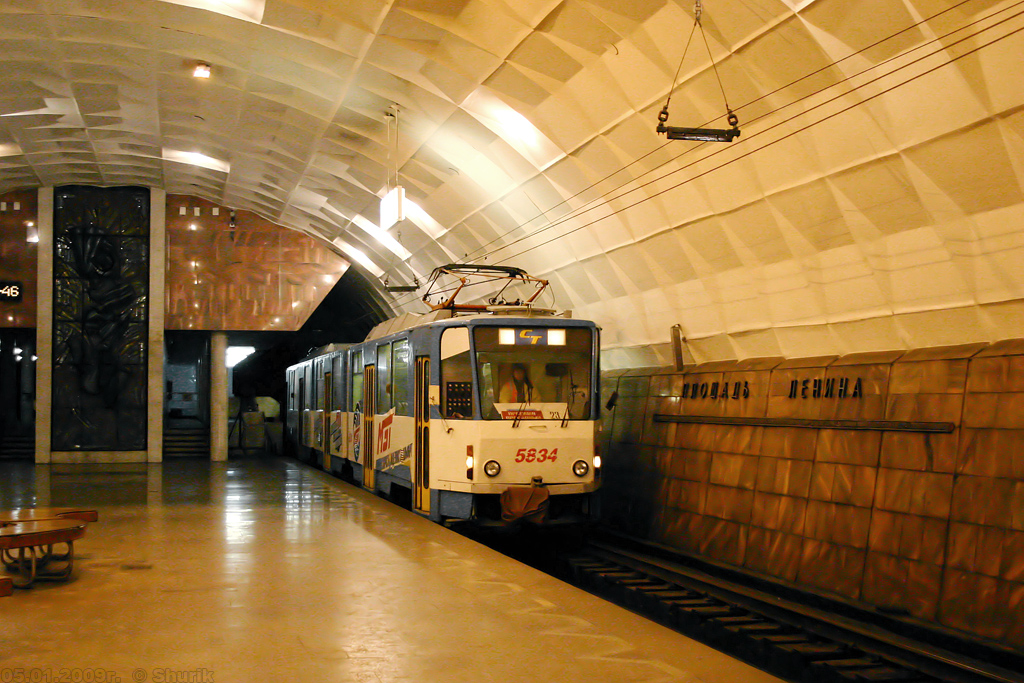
263 570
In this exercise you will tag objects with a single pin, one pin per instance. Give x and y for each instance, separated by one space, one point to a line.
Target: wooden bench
34 541
39 514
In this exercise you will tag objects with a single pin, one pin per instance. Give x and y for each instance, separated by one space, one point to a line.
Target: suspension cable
605 196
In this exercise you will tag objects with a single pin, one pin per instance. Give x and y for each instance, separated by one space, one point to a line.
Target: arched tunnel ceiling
873 201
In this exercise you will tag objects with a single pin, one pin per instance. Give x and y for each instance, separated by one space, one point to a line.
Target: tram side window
400 377
357 382
456 375
384 400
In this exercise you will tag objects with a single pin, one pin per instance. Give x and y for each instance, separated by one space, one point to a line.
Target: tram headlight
470 462
492 468
597 462
580 468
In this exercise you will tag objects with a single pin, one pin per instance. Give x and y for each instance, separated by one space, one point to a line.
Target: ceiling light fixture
698 134
196 159
392 205
202 70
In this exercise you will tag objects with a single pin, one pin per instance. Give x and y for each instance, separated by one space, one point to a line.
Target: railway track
789 638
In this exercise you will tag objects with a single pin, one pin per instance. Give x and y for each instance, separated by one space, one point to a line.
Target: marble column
44 325
157 271
218 396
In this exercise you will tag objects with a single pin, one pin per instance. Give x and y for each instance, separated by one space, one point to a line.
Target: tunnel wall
930 525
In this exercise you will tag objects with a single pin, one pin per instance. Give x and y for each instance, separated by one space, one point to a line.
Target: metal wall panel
928 524
851 447
992 453
19 256
788 477
774 553
832 568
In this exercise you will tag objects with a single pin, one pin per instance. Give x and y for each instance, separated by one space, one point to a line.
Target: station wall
894 479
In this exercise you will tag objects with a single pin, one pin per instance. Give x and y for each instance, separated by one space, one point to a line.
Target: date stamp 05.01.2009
102 675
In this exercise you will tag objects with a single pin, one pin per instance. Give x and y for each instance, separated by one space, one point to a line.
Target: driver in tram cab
518 388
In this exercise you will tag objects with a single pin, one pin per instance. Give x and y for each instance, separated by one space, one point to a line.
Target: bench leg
25 567
50 556
9 559
28 565
62 574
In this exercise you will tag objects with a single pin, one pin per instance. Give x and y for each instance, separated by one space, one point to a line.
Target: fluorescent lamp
196 159
392 207
236 354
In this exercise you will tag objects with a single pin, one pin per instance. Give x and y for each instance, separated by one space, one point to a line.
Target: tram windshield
541 373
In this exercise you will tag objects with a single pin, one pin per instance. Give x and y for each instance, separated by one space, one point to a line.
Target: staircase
18 447
187 442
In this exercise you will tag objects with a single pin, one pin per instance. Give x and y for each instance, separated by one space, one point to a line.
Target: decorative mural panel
233 270
100 315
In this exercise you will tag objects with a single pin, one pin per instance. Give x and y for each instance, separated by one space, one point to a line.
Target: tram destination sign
10 290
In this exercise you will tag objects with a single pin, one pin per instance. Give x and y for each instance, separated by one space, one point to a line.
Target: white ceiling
875 199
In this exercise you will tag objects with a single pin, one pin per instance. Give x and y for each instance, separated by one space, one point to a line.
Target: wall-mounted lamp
31 232
202 70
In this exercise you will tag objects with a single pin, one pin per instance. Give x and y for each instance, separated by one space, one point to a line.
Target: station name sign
10 291
716 390
843 387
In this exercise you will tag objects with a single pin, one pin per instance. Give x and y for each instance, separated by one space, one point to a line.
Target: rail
773 627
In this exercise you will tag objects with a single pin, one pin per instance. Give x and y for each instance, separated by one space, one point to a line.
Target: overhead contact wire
608 196
740 108
584 208
766 145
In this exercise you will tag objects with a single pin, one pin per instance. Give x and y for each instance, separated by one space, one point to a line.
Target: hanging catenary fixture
698 134
392 204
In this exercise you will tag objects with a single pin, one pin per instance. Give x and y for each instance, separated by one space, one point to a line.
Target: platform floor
265 570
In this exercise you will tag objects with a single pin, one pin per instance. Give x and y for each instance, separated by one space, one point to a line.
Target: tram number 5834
536 455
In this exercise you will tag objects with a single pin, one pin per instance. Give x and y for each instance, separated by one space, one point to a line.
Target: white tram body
423 411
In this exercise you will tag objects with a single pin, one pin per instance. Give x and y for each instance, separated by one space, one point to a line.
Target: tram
479 412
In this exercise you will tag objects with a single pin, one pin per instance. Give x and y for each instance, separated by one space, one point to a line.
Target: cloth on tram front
529 503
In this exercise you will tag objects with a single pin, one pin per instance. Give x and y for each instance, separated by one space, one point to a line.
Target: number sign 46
10 291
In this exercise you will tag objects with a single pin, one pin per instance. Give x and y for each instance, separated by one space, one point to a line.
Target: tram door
369 433
302 407
326 419
421 473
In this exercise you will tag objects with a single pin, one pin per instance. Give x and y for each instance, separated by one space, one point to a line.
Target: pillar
44 325
218 396
157 293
